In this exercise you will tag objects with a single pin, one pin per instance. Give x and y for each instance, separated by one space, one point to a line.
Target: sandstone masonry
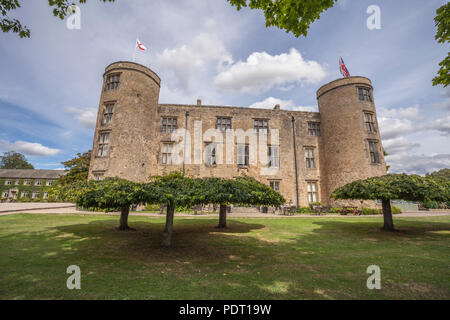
316 151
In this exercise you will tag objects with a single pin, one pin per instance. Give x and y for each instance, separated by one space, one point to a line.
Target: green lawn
282 258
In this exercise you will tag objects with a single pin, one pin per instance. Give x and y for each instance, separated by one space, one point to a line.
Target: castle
303 155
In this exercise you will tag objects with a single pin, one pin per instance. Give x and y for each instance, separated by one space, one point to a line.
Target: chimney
199 102
277 107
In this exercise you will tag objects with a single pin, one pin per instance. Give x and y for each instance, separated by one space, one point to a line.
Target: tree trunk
124 219
167 235
387 215
222 216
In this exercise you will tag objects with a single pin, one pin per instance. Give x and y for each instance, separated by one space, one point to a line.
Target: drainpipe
295 161
185 132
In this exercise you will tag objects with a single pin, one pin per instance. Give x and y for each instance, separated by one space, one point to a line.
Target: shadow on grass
311 258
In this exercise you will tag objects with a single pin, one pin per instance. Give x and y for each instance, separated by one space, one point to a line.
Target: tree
442 21
172 190
109 194
14 160
291 15
394 187
60 9
442 175
239 191
78 169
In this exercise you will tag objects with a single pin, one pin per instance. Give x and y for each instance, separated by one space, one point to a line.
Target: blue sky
50 84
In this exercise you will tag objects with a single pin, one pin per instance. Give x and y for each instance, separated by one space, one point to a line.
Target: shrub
335 210
370 211
396 210
431 204
305 210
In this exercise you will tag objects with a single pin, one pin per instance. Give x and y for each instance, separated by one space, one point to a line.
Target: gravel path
69 208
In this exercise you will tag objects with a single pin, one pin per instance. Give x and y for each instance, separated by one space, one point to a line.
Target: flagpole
134 53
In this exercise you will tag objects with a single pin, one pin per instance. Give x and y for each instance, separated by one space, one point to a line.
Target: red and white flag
343 68
140 45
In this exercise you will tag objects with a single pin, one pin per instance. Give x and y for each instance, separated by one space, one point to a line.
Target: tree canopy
291 15
394 187
78 169
7 24
442 21
442 175
14 160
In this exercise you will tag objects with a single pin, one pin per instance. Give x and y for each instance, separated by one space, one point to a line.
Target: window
5 194
242 154
17 182
103 144
8 182
98 176
24 194
309 157
370 124
374 155
312 192
27 182
112 82
169 124
314 128
211 154
167 153
49 182
45 196
275 185
38 183
108 113
223 124
274 160
364 94
261 126
35 195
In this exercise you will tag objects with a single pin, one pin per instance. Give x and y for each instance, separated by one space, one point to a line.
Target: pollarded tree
394 187
241 190
172 190
109 194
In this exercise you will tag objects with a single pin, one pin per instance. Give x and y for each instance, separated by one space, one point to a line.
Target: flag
140 45
343 68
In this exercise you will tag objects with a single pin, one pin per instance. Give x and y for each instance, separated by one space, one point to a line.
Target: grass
255 258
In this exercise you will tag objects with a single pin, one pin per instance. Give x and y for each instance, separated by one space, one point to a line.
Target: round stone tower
351 146
124 143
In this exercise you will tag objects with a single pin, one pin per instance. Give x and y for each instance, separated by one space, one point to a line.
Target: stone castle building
315 152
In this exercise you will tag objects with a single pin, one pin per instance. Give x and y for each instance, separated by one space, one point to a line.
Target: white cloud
417 164
187 60
398 145
270 102
86 117
441 124
407 113
29 148
262 72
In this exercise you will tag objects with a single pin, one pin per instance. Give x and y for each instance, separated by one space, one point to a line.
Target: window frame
108 113
310 158
313 195
261 125
273 157
374 155
112 81
166 154
223 127
167 127
364 94
369 124
275 185
102 143
245 156
313 128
